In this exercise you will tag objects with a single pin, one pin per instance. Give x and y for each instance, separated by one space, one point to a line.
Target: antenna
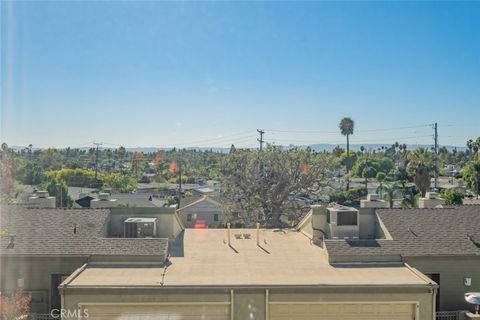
473 298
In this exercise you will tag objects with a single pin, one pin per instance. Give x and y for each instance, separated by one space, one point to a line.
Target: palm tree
346 126
391 191
475 177
421 166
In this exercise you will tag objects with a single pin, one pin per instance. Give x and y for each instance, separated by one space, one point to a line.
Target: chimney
104 196
41 199
42 194
431 200
373 201
103 201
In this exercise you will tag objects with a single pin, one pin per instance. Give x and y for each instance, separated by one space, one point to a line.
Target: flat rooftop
284 257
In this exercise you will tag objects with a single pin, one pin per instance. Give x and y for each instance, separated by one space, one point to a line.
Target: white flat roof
283 258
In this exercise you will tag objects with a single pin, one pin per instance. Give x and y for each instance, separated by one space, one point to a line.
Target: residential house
208 211
40 248
249 274
193 273
443 243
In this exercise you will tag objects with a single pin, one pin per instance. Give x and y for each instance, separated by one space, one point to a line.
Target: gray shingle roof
50 232
420 232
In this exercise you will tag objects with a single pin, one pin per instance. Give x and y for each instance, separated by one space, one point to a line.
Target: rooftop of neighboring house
446 231
122 199
68 232
193 200
283 257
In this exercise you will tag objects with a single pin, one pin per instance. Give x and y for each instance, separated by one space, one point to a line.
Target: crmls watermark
69 314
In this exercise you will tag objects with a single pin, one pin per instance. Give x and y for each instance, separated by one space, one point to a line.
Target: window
189 217
215 217
346 218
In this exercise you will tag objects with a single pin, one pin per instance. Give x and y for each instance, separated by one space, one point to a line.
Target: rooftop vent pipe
228 232
42 194
11 245
103 196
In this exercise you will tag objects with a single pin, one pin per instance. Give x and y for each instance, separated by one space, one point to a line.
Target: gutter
72 277
227 287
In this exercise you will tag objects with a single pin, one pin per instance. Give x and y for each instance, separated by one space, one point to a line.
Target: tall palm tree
470 145
421 166
346 126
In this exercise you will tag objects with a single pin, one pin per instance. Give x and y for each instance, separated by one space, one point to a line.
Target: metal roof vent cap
431 195
42 194
372 197
103 196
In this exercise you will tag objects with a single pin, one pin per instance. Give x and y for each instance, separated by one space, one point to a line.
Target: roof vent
42 194
103 196
11 245
372 197
431 195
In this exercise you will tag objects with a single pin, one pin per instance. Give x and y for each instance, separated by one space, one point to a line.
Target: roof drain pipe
258 234
228 233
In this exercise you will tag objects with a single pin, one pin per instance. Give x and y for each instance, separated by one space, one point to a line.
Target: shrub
452 196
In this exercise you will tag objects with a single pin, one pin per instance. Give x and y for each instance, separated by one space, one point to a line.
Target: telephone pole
179 184
261 132
435 127
96 162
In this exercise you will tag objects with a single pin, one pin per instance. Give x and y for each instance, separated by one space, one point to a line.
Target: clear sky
211 73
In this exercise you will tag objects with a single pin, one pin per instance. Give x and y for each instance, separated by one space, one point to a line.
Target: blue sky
210 73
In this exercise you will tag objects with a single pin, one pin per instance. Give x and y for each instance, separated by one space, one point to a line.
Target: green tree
452 196
381 176
29 172
58 189
346 127
471 176
119 182
262 183
421 166
390 191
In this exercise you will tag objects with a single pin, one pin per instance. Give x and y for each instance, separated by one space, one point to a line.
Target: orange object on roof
200 224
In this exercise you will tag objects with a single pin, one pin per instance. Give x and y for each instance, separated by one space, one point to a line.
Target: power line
336 132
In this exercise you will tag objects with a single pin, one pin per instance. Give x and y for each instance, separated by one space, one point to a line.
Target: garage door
342 311
158 312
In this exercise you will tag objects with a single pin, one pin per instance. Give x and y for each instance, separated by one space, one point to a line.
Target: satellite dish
473 298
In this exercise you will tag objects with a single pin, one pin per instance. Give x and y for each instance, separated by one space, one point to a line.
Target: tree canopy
264 182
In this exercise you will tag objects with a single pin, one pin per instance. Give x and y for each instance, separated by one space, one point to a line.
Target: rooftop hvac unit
140 227
343 222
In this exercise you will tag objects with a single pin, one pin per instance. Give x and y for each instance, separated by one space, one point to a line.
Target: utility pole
261 132
435 127
96 162
179 184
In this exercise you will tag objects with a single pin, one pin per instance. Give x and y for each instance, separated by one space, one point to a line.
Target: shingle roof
419 232
51 232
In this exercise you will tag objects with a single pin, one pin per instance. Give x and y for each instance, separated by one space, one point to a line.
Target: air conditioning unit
343 222
140 227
